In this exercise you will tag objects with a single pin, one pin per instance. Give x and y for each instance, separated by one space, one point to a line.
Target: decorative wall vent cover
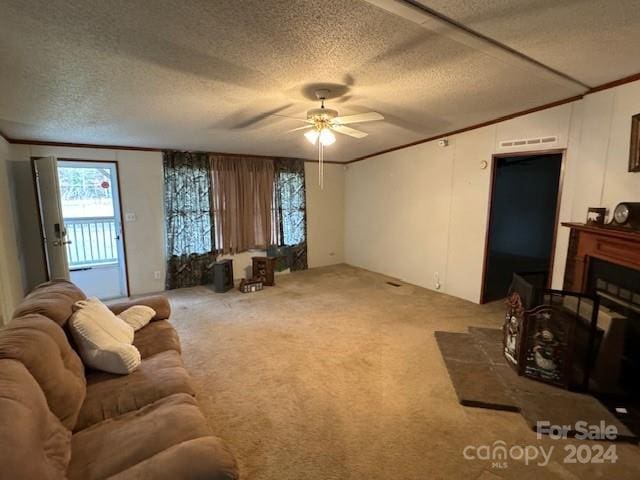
525 142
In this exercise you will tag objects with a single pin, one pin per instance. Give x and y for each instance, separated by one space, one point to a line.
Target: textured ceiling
595 41
202 75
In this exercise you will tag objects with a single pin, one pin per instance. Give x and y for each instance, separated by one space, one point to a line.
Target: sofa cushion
52 299
114 445
159 303
201 458
33 442
156 337
42 347
111 395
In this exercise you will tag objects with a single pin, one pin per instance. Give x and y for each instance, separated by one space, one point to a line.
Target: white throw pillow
105 319
137 316
103 340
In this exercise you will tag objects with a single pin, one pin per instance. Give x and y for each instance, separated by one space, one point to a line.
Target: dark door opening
522 219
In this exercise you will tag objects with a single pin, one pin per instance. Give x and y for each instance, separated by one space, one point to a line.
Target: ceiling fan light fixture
327 137
312 136
323 122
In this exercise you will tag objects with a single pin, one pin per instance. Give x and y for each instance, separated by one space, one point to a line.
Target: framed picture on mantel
634 153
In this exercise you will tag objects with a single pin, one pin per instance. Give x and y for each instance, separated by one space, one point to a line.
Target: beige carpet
333 374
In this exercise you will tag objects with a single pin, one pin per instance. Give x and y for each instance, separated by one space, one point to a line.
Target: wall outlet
130 217
157 275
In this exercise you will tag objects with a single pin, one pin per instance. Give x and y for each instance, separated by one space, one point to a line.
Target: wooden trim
531 153
145 149
618 232
80 145
616 83
487 233
618 245
124 235
7 139
472 127
598 88
556 224
634 144
124 243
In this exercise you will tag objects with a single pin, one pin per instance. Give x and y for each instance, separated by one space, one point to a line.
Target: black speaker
223 276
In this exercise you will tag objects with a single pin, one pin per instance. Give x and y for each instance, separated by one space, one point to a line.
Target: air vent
524 142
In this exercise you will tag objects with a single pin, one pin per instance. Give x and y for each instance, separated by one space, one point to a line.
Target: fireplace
605 261
619 290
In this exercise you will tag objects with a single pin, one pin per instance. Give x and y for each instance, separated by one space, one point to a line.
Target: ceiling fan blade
359 117
352 132
299 128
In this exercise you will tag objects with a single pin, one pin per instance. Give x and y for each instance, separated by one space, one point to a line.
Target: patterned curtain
290 212
188 219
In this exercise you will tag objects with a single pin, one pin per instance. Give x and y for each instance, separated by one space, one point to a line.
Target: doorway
522 219
82 224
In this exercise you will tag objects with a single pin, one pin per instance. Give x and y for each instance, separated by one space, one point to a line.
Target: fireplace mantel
615 245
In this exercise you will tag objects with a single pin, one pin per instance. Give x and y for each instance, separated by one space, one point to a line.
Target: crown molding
599 88
25 141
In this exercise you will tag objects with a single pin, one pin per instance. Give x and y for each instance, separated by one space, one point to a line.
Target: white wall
423 210
385 195
141 181
325 215
11 290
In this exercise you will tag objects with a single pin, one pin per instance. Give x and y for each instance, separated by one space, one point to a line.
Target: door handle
59 243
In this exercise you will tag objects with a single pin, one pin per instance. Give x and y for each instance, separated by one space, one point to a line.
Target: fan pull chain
321 165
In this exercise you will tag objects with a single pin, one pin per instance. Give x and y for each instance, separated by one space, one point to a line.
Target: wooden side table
263 269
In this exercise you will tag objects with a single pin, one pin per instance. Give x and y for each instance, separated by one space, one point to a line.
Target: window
187 205
290 201
187 200
289 212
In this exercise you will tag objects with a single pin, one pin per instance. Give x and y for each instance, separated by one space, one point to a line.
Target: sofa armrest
204 457
160 303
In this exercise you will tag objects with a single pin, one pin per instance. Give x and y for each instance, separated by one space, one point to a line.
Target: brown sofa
58 420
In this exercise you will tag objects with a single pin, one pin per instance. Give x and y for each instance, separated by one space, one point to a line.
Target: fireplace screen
618 288
550 335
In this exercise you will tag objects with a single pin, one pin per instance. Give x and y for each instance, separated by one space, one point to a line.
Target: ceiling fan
322 122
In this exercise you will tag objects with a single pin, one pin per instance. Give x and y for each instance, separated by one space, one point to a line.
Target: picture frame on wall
634 150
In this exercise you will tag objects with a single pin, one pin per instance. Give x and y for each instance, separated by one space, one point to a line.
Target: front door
90 203
54 236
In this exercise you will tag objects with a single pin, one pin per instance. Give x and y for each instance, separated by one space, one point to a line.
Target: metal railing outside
94 241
